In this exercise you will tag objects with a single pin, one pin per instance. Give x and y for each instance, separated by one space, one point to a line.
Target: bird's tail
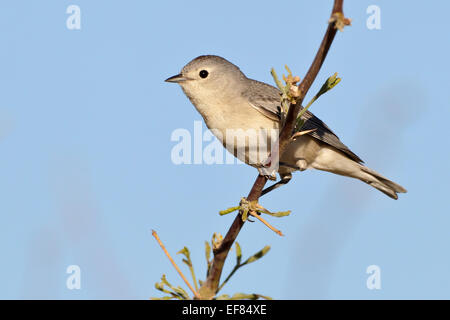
379 182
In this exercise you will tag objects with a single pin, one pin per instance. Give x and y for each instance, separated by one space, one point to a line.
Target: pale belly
250 136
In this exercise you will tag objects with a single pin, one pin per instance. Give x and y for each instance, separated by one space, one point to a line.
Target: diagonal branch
210 287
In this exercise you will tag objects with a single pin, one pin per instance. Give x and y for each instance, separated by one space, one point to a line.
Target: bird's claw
249 206
268 172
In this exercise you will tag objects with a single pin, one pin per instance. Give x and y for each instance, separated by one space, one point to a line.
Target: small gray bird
227 100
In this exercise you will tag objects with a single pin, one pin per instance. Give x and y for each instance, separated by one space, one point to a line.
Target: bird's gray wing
266 99
323 133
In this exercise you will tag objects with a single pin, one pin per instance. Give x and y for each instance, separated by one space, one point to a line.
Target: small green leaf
288 70
257 255
277 81
187 262
279 213
208 258
163 298
238 253
160 286
185 252
229 210
239 296
207 251
164 281
245 214
329 84
251 296
242 296
182 292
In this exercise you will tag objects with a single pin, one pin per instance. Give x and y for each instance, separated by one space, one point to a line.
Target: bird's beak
177 78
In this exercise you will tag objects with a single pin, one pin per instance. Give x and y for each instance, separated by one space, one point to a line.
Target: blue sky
86 173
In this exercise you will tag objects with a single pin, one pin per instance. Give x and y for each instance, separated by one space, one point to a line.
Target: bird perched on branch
230 102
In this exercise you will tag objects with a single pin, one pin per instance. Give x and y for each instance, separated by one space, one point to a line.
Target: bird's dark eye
203 74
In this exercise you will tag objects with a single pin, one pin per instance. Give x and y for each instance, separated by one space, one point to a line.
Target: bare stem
155 235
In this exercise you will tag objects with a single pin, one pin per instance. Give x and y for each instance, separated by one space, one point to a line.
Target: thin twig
220 254
155 235
257 216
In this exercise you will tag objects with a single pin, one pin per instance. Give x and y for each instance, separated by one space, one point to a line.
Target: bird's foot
268 172
247 207
253 208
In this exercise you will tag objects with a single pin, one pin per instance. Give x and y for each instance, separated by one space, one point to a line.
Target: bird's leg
284 180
